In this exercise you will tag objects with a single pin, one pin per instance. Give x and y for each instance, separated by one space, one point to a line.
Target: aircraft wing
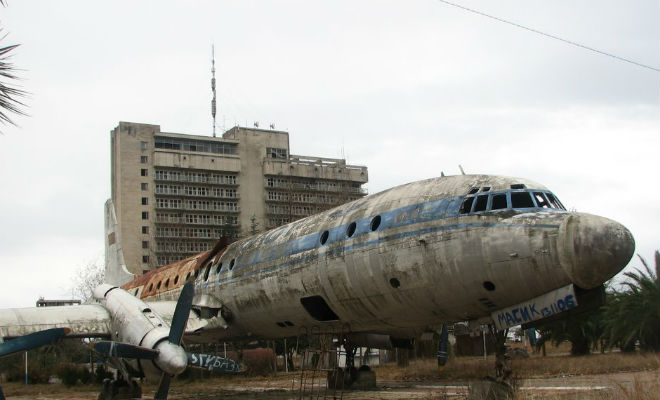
88 320
166 310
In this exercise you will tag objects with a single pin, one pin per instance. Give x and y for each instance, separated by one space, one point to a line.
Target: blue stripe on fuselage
408 215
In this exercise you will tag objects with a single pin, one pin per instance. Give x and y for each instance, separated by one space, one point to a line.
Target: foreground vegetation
458 370
630 317
468 368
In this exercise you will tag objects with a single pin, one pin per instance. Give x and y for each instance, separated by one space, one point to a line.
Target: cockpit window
555 201
498 202
482 201
473 190
541 201
516 199
521 200
466 206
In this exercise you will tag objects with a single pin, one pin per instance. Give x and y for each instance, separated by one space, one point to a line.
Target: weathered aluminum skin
425 264
89 320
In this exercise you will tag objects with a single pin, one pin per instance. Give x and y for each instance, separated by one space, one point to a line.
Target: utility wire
549 35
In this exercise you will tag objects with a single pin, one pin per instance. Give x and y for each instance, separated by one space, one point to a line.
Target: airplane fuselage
400 262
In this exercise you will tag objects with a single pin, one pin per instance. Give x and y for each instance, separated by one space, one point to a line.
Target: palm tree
9 93
633 314
581 330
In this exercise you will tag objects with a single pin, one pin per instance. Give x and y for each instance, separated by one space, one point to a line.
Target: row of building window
196 191
307 198
206 205
274 152
186 232
312 184
274 222
182 247
293 210
199 219
216 147
200 177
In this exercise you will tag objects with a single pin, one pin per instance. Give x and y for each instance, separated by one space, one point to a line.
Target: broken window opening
521 200
498 202
485 188
541 201
466 206
482 202
318 309
207 271
473 190
555 202
517 186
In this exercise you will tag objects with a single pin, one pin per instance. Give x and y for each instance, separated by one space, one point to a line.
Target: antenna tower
213 85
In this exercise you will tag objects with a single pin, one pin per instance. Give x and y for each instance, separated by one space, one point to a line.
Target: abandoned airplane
384 270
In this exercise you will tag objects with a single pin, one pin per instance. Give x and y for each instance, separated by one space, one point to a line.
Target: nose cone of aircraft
171 358
593 249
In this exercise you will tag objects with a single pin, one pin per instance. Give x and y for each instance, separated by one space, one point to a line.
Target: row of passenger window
509 200
350 232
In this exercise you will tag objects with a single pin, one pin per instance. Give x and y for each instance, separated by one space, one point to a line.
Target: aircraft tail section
116 273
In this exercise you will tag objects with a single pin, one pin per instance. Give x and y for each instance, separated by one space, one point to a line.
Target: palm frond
10 95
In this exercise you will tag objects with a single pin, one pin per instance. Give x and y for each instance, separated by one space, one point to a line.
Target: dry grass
466 368
638 390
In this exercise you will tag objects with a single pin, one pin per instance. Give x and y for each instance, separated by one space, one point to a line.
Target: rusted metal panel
166 281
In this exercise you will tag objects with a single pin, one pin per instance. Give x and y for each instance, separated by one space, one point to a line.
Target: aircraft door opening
318 309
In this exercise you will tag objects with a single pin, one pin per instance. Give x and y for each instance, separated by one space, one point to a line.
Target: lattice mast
213 86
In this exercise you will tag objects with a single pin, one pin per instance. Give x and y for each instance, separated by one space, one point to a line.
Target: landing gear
498 387
349 377
119 389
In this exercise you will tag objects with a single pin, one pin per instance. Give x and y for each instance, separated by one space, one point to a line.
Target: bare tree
87 277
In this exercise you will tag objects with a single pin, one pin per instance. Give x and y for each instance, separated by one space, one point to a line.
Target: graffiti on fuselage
544 306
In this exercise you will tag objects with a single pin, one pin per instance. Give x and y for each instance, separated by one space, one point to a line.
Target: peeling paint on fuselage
424 264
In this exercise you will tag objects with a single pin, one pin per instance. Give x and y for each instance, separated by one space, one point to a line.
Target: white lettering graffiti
213 363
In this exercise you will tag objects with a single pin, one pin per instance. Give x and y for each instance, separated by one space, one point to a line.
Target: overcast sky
407 88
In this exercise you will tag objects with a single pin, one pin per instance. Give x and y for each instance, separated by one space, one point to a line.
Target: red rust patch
173 276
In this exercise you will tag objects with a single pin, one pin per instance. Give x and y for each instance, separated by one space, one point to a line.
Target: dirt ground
623 385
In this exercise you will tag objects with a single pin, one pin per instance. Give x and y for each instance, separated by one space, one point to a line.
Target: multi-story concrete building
174 195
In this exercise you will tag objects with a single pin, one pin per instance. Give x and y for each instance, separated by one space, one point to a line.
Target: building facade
174 195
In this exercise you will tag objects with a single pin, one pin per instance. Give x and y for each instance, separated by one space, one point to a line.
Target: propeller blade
32 341
213 363
124 350
163 387
181 313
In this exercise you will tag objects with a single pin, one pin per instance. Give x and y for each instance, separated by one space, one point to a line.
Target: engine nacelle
132 318
135 323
